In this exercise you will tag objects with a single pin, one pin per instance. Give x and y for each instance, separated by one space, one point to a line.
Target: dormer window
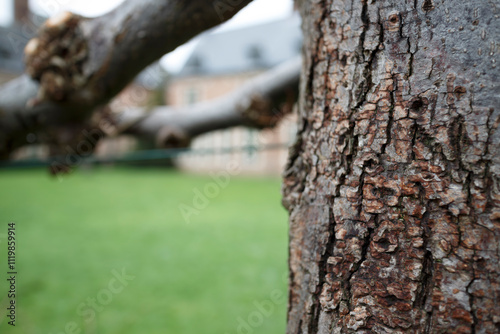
5 54
195 63
255 55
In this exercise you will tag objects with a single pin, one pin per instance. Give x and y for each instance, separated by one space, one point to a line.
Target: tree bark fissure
392 186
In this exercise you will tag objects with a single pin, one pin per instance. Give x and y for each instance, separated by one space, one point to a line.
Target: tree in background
393 184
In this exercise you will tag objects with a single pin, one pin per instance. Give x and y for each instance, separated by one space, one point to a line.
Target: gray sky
257 12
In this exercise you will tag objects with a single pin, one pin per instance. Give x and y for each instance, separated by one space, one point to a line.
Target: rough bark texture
393 186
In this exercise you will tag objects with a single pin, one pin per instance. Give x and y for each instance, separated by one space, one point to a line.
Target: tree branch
261 102
77 64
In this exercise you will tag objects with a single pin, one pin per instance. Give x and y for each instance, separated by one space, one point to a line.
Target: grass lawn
221 273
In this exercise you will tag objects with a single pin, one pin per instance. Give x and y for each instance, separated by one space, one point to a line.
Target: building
13 39
221 62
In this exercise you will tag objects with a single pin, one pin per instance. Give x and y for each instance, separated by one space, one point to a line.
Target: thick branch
261 102
77 64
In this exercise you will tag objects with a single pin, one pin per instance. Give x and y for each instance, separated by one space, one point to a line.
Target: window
195 63
251 146
191 96
255 55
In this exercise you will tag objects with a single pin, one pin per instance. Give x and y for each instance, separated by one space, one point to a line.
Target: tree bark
393 186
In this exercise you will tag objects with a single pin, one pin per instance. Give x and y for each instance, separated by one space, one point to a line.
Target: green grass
197 277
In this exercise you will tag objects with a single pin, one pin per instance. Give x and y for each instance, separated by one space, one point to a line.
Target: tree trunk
393 186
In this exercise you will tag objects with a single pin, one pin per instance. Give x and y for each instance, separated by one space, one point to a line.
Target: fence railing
142 155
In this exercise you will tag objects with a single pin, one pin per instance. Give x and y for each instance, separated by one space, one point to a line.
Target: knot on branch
55 58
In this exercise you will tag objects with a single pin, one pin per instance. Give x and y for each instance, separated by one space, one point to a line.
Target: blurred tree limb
261 102
76 65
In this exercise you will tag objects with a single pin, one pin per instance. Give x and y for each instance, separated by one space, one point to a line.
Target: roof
13 39
12 42
245 49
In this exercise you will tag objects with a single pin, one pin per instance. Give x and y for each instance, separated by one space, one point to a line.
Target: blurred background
202 232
